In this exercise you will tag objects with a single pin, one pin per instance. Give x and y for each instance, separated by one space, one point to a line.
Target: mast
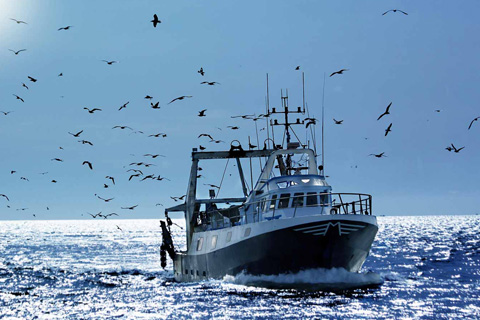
323 125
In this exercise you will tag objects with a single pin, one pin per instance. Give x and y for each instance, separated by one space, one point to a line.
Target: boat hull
328 241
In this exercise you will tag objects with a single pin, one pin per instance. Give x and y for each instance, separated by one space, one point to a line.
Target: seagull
471 123
85 142
155 20
380 155
388 129
153 155
210 83
124 106
387 111
111 178
119 228
108 215
2 195
246 116
110 62
32 79
179 98
148 97
233 127
202 113
202 147
158 135
159 178
23 178
437 110
158 204
178 198
395 10
56 159
76 135
5 113
251 146
455 149
155 106
135 170
105 185
18 98
60 74
134 175
18 21
106 200
205 135
24 85
211 185
64 28
338 121
201 72
17 52
96 215
297 68
449 148
339 72
93 110
122 127
129 208
88 163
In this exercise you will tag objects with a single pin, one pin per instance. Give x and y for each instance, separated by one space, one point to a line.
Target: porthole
229 236
247 232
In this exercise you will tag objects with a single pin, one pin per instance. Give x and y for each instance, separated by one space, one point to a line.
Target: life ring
333 211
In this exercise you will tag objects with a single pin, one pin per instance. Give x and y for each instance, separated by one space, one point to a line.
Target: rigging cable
223 176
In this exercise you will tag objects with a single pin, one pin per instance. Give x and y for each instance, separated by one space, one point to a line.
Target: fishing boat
290 220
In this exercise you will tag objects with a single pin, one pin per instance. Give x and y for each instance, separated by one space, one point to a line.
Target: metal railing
330 203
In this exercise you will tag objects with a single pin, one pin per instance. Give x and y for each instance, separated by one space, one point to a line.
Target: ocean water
419 268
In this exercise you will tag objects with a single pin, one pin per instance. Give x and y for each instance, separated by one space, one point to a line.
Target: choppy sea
419 268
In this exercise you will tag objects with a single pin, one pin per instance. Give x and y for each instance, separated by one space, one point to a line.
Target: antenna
268 115
323 125
303 88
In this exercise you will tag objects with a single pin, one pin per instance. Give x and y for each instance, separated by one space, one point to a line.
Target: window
199 244
312 199
297 200
282 184
229 236
186 271
247 232
204 273
283 201
324 199
214 242
273 201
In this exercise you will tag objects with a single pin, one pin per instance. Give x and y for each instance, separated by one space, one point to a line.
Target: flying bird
134 175
64 28
158 135
60 74
201 72
76 135
387 111
455 149
119 228
159 178
32 79
155 106
388 129
202 113
130 208
155 20
85 142
153 155
18 21
105 216
106 200
233 127
111 178
471 123
297 68
338 121
5 113
17 52
205 135
210 83
122 127
88 163
202 147
24 85
56 159
211 185
380 155
449 148
124 106
179 98
18 98
148 97
93 110
110 62
394 10
338 72
2 195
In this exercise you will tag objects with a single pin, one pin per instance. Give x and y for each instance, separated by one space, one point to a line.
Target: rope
223 176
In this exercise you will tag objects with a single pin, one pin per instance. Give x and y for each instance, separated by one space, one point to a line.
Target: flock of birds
135 170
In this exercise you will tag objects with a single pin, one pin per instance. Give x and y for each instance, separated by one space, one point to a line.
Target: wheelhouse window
199 244
214 242
229 236
324 199
283 201
312 199
273 201
297 200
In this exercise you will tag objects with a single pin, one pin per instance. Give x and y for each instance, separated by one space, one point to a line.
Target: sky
421 62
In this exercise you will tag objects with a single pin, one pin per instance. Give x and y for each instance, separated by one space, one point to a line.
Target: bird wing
471 123
381 116
403 12
334 73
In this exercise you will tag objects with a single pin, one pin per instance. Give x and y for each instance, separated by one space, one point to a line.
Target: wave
335 279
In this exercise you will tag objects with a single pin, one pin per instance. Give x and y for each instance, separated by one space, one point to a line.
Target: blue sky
425 61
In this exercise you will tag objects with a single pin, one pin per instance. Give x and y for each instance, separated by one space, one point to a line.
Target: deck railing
330 203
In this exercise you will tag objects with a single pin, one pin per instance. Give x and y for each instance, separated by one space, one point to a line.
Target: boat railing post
341 202
361 206
296 205
370 200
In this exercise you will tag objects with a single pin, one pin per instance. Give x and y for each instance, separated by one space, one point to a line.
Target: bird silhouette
5 113
153 155
211 185
60 74
471 123
210 83
455 149
123 106
111 178
32 79
155 20
201 72
388 129
65 28
119 228
205 135
76 135
122 127
106 200
449 148
5 196
297 68
394 10
88 163
338 121
110 62
338 72
163 135
129 208
179 98
380 155
85 142
159 178
18 98
134 175
201 113
251 146
56 159
18 21
105 216
155 106
24 86
233 127
94 216
202 147
148 97
93 110
387 111
17 52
